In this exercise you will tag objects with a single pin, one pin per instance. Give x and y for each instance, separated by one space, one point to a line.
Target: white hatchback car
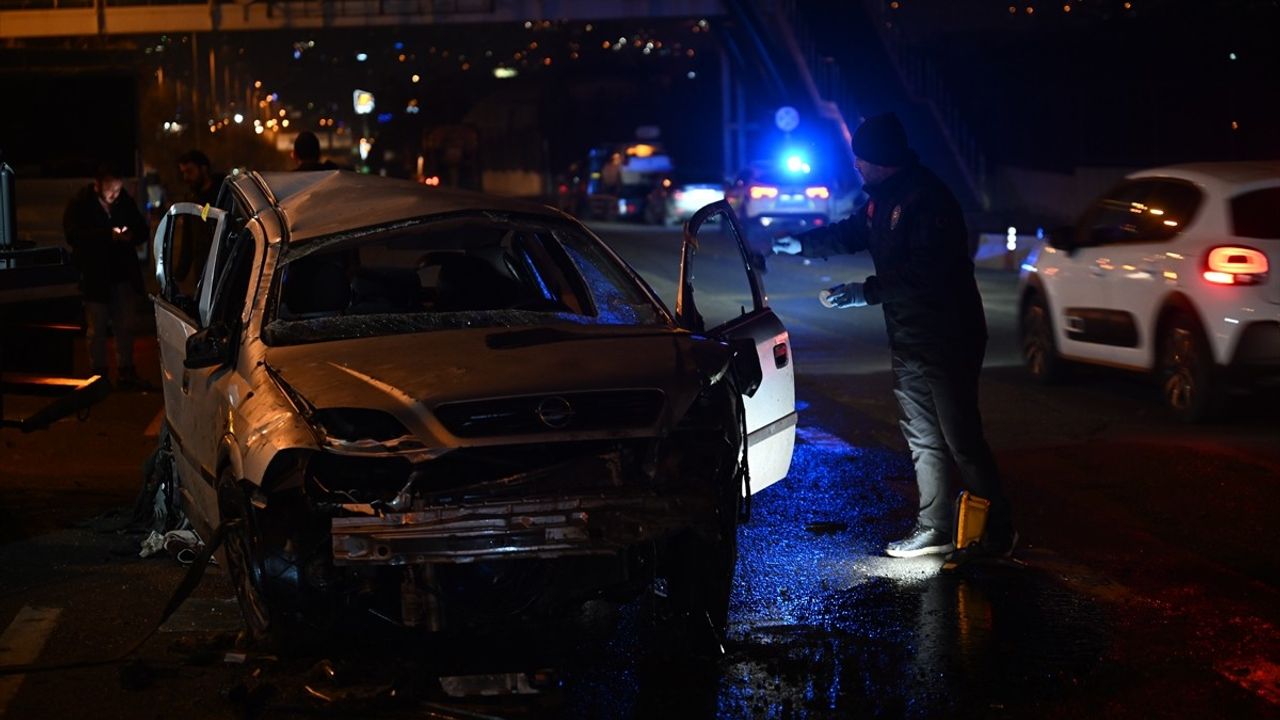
445 409
1168 272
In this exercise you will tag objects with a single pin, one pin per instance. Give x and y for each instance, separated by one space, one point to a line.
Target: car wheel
241 553
264 551
1039 350
1187 374
700 581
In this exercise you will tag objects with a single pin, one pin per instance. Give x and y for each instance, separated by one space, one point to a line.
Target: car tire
1188 378
699 574
240 557
1039 348
277 613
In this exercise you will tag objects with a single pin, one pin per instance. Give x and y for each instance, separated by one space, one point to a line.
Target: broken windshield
463 272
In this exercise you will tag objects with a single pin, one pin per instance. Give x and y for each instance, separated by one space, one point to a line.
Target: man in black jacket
915 232
103 226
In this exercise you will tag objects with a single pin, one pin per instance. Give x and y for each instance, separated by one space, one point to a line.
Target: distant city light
238 118
691 75
362 101
1233 56
504 73
258 129
361 57
416 77
257 84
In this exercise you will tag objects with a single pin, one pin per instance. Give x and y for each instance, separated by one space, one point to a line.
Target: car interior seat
467 282
385 290
315 287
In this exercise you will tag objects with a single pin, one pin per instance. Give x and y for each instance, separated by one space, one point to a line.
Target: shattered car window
471 272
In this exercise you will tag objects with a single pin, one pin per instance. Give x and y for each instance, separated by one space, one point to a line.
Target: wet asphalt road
1145 587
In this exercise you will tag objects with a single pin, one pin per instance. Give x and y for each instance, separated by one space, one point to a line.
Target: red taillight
763 191
1232 265
817 192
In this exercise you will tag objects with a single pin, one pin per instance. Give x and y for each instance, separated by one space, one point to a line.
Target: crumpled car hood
410 375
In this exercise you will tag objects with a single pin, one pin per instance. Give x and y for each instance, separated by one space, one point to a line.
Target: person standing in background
103 226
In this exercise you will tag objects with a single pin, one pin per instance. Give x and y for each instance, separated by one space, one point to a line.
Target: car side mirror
208 347
1063 238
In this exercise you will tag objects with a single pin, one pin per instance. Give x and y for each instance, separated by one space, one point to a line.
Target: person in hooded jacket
104 227
914 230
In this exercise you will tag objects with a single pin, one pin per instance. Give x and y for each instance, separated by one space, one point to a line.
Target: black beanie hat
881 140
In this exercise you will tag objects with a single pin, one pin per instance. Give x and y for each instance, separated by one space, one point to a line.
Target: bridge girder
310 15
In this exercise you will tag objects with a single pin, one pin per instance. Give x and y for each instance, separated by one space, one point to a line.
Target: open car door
731 305
188 252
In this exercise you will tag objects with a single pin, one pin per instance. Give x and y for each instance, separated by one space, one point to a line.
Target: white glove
786 245
848 295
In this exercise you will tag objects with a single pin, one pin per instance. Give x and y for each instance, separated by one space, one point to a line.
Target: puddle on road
825 625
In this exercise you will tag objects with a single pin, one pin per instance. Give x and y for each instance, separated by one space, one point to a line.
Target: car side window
1140 211
191 238
1111 219
1167 208
1253 214
234 269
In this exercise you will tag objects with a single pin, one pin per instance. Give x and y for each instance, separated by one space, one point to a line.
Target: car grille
565 412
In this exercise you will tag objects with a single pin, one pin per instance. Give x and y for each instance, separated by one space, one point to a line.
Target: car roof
315 204
1219 174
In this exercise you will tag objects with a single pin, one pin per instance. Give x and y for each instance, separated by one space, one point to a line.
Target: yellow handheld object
971 519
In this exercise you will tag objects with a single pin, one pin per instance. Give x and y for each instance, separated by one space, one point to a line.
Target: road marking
21 644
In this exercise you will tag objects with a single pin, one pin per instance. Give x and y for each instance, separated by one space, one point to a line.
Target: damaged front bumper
542 528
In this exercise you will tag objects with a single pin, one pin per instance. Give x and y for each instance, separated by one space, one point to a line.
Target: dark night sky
1099 84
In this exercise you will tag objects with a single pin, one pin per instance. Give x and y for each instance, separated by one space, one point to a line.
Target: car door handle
780 356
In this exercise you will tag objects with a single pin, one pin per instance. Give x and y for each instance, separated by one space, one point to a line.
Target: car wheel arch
1176 303
1034 288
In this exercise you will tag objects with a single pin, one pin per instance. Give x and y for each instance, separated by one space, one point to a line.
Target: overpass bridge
70 18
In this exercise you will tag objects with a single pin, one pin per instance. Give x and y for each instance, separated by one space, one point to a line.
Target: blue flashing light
796 164
384 118
398 45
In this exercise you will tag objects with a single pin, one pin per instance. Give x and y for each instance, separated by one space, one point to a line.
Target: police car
781 196
1169 273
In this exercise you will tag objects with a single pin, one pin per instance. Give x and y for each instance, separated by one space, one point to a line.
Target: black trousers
937 392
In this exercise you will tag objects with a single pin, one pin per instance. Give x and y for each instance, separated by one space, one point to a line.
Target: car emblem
555 412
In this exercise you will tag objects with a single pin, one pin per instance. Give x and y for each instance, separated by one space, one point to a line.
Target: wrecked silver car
441 408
